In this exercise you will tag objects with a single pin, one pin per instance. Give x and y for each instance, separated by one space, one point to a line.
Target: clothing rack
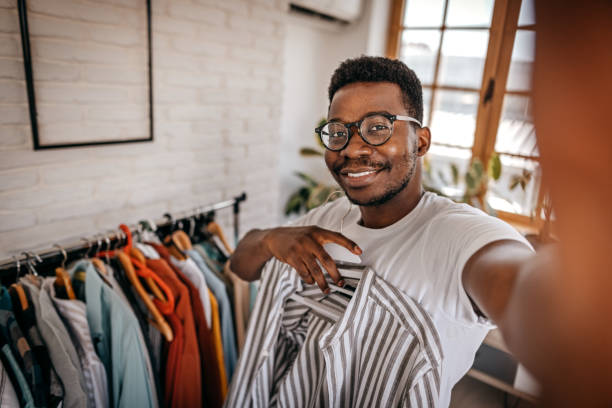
54 256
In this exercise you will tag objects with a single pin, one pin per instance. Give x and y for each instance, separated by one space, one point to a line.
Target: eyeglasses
375 129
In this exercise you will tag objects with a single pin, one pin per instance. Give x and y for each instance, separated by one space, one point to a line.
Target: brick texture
216 65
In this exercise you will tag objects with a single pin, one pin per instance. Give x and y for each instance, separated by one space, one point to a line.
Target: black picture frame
29 77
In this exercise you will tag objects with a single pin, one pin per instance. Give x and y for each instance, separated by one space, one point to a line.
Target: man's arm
490 275
300 247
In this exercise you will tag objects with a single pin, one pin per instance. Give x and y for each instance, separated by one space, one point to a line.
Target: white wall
217 89
313 50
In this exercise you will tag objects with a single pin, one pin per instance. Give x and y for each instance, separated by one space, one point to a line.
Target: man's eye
378 128
338 134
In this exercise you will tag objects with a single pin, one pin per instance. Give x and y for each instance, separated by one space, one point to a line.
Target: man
456 261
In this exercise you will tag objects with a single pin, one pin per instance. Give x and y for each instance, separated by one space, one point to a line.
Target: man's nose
356 146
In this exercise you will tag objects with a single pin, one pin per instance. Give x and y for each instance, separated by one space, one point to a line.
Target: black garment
26 318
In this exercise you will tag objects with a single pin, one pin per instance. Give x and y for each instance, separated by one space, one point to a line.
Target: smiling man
457 262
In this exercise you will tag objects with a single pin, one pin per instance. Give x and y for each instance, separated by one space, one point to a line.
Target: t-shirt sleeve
456 236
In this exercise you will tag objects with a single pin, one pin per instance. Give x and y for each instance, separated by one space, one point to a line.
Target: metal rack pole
9 264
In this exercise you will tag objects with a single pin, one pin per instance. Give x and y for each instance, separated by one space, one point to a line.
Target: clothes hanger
174 246
23 300
139 256
97 262
165 301
62 278
158 320
216 230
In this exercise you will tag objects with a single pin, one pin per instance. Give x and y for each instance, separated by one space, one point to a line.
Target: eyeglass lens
375 129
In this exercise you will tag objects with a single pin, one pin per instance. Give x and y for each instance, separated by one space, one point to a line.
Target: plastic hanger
164 297
62 278
158 320
165 301
139 256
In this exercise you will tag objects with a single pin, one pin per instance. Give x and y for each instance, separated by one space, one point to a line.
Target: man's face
373 175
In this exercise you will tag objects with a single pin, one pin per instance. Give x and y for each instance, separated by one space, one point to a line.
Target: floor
471 393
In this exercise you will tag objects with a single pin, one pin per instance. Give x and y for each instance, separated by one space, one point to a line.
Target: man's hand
302 247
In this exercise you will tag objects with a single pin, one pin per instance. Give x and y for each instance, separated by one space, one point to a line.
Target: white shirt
423 255
192 272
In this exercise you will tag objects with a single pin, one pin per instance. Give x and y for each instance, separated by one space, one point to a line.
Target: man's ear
424 141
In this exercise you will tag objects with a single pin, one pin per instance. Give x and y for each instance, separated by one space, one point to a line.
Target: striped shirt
74 315
384 350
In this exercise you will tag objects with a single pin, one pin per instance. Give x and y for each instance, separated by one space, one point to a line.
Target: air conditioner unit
345 11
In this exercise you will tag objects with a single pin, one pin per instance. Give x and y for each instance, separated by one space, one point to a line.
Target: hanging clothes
61 350
116 335
241 304
21 350
150 337
14 389
345 363
189 268
213 369
183 382
26 318
226 316
74 315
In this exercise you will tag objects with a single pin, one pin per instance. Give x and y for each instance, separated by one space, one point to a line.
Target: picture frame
42 141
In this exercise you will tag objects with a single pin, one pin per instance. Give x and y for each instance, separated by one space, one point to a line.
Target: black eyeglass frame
348 126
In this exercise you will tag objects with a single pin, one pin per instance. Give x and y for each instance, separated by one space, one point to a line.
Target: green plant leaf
309 151
477 168
495 167
455 171
470 181
294 203
427 164
309 180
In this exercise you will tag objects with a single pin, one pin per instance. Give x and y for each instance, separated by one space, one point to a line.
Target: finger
323 236
316 273
303 272
329 264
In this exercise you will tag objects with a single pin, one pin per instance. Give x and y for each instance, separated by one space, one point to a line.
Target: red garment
182 381
213 369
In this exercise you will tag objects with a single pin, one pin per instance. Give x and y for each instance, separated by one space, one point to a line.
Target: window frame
502 33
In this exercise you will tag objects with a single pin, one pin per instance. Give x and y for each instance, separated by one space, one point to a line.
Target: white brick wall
217 69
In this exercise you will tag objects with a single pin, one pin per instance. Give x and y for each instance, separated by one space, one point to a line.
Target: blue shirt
116 337
228 336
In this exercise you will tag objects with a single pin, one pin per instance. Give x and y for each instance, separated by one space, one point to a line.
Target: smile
361 174
359 178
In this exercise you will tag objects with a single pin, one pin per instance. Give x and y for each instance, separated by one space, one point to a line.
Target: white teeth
363 173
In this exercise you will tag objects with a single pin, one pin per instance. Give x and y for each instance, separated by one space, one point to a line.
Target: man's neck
389 213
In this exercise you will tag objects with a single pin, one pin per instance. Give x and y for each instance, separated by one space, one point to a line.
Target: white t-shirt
424 254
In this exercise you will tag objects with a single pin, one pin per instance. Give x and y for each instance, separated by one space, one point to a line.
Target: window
474 59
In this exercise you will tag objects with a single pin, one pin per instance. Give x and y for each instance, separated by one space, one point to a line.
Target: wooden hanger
62 278
23 300
99 265
215 229
139 256
175 247
158 320
181 240
62 282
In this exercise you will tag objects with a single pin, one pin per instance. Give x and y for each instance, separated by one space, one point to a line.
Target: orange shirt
183 380
214 380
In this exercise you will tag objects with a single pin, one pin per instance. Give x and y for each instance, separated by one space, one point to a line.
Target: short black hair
380 69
